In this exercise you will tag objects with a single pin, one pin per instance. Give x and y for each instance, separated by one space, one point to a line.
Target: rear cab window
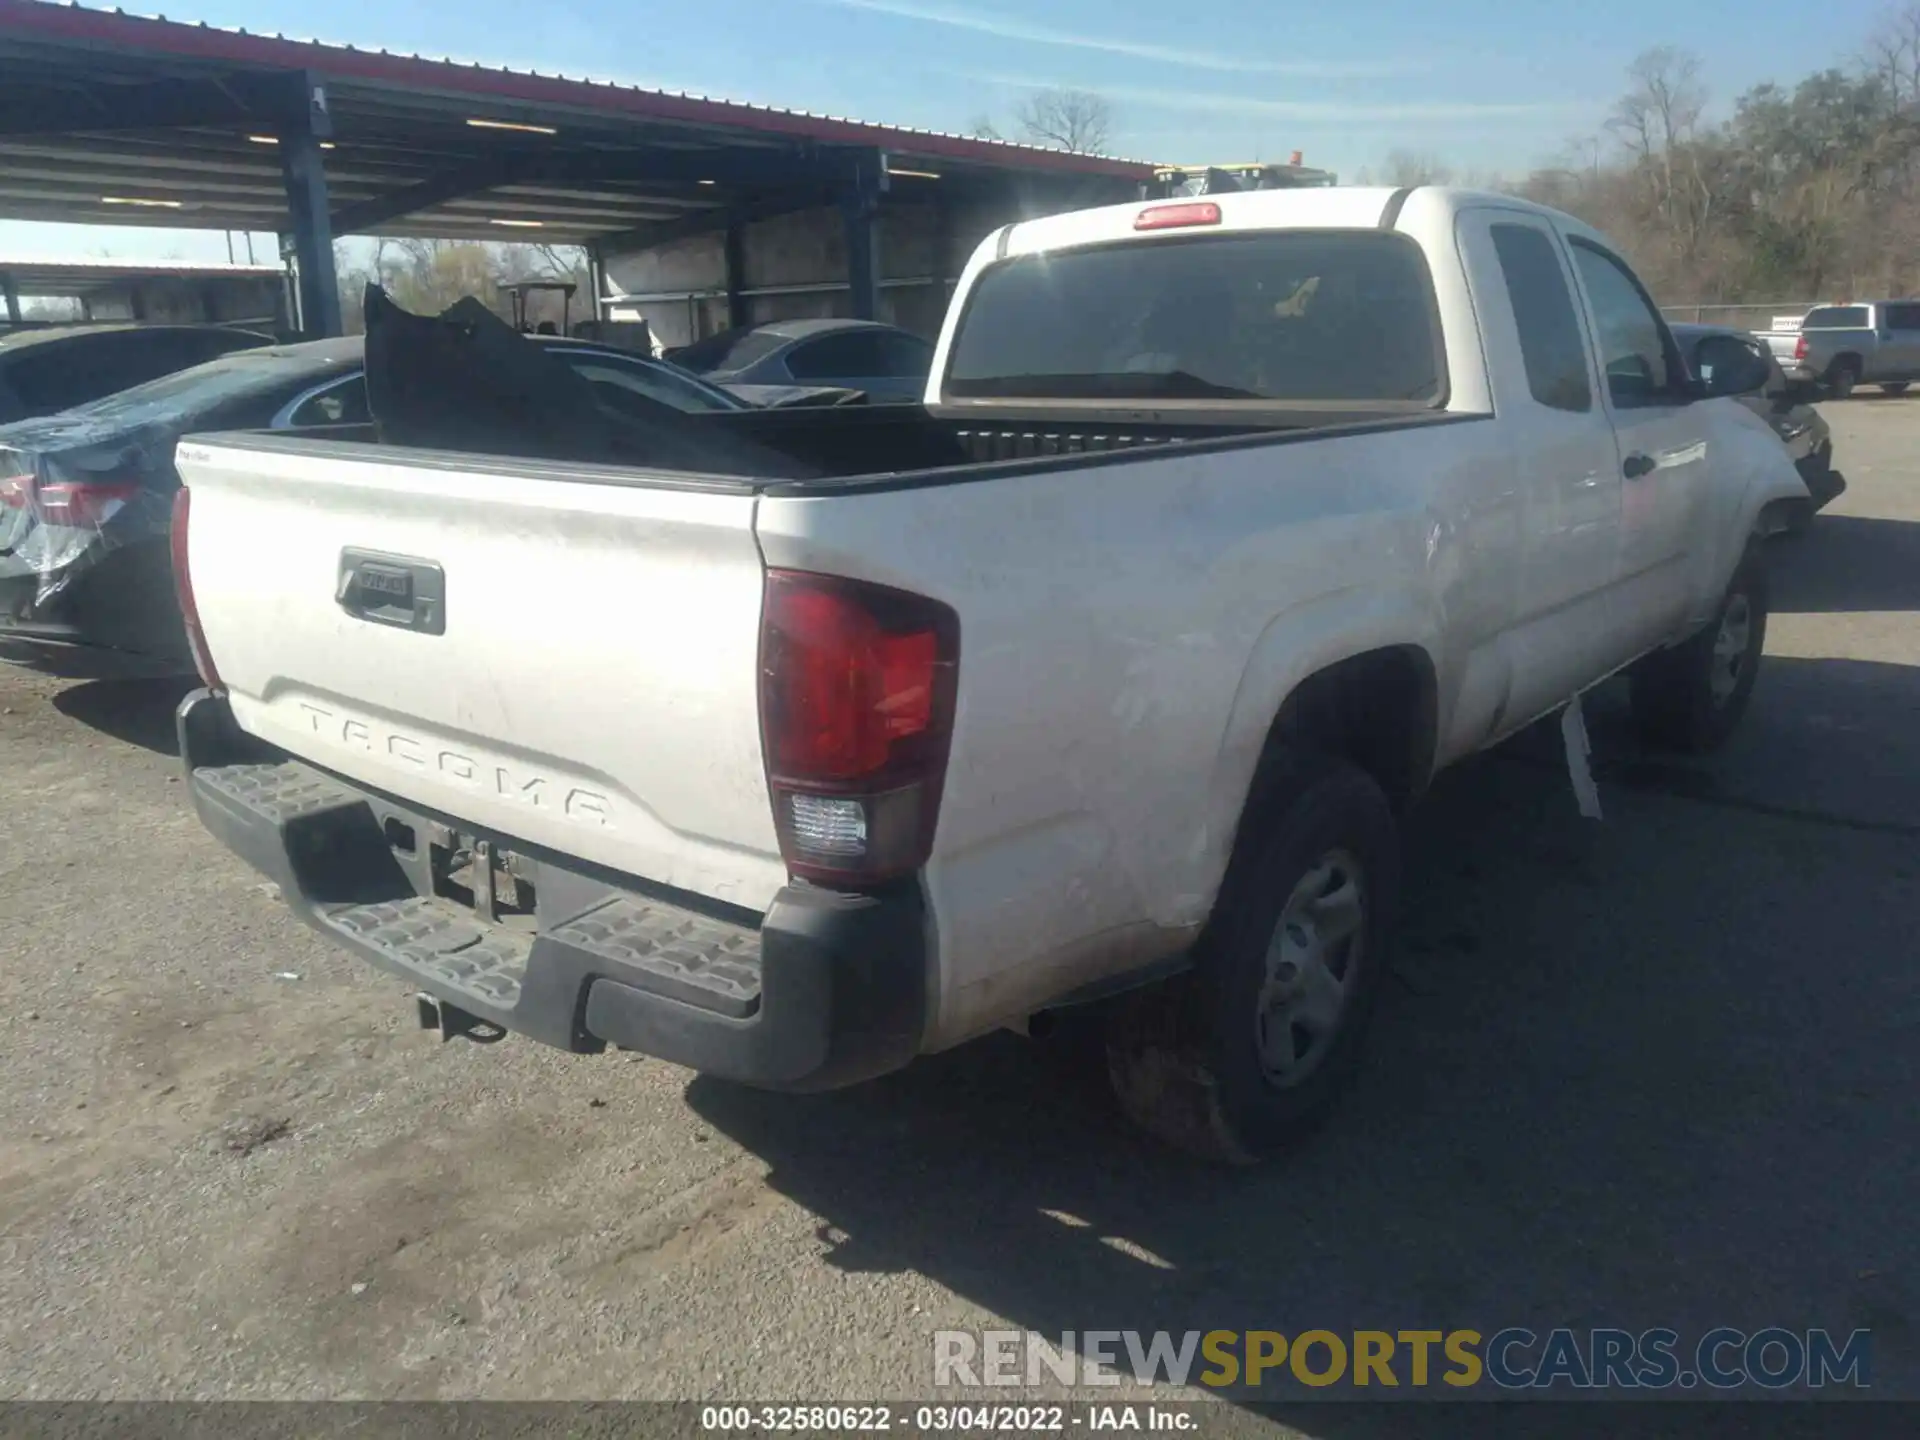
1307 317
1837 317
1552 345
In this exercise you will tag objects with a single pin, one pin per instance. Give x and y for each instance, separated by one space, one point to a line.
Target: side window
343 403
613 382
848 355
1633 343
1551 344
1902 317
904 356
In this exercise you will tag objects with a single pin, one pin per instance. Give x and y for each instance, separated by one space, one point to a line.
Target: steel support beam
454 185
942 241
264 98
776 170
11 292
738 317
860 213
302 163
712 221
597 280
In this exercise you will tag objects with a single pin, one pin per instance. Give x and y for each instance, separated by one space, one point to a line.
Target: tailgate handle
397 590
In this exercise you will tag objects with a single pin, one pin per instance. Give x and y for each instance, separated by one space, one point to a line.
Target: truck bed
891 445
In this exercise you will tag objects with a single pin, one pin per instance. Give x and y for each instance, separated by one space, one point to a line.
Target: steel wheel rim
1311 967
1730 648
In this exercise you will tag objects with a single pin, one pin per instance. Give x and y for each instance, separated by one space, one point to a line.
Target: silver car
883 362
1843 346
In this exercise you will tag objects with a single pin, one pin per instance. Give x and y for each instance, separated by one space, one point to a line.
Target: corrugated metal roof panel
157 34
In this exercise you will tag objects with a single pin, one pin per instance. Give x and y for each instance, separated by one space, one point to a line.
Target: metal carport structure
173 291
110 118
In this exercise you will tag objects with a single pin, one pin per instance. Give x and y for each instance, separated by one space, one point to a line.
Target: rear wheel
1691 698
1842 379
1252 1048
1899 388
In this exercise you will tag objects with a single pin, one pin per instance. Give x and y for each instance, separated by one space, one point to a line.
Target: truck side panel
1128 632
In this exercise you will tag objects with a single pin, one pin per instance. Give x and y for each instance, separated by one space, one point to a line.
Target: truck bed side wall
1129 631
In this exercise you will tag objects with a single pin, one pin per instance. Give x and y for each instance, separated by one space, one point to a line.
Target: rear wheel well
1377 710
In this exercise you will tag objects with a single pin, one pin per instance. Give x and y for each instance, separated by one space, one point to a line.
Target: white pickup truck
1226 524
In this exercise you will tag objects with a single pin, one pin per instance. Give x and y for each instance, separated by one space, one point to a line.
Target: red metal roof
146 35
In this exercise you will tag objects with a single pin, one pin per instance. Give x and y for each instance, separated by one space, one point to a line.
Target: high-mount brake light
1177 217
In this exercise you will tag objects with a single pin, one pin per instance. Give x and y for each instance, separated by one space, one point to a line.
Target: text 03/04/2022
942 1419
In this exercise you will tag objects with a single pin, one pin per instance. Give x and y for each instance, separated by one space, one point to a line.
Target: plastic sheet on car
465 380
73 487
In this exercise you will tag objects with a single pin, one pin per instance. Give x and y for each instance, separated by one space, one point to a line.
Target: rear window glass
189 392
1836 317
1302 315
729 350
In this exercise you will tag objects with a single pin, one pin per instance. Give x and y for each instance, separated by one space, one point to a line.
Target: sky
1488 85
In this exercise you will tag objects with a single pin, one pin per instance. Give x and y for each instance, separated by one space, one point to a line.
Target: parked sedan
86 584
53 369
885 362
1784 405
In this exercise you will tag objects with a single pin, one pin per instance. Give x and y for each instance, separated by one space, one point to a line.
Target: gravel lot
1658 1071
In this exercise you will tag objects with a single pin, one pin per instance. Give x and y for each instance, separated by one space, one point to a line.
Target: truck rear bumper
825 989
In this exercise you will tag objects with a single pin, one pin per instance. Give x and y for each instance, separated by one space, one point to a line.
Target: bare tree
428 275
1658 120
1076 121
1663 108
981 127
1893 54
562 261
1409 167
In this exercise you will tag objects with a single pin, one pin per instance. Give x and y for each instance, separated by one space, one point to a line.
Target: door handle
1634 466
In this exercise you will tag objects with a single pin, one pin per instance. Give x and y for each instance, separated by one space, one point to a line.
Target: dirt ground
1663 1070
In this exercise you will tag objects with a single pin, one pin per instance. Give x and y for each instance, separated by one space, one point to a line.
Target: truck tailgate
585 679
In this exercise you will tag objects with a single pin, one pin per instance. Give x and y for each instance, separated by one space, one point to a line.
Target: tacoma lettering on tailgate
368 737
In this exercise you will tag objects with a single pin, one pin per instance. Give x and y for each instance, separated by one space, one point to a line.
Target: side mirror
1724 365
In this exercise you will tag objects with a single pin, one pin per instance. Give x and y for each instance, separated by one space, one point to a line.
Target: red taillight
183 588
76 504
84 504
1800 348
1175 217
857 686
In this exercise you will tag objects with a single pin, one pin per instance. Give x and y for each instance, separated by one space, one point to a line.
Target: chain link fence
1739 317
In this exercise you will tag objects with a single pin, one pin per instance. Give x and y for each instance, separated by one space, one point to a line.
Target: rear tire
1842 379
1252 1048
1899 388
1691 698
